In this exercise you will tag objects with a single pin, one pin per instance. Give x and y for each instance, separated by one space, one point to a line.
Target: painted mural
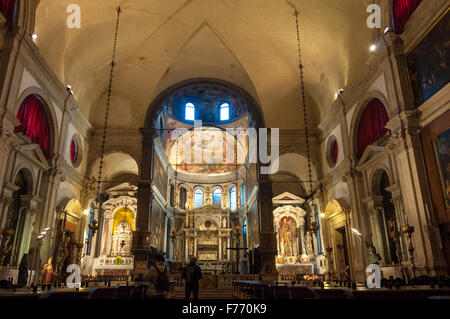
253 226
429 62
157 225
288 236
442 148
160 176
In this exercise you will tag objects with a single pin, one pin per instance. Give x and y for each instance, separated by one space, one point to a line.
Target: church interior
132 128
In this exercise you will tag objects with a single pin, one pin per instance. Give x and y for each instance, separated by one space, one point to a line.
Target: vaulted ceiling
251 43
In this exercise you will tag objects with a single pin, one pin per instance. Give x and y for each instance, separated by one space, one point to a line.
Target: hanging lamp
93 224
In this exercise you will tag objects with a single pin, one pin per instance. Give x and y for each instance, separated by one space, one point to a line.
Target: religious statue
48 276
374 257
308 244
224 222
23 272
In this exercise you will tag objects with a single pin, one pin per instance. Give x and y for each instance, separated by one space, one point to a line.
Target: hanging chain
300 65
108 104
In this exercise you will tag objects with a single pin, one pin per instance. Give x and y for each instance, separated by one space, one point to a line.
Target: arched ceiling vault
250 43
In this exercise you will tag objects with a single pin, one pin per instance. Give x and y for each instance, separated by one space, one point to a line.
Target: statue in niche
308 244
374 257
224 222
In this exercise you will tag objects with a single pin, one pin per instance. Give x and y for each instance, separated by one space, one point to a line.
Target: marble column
267 236
141 235
355 218
54 177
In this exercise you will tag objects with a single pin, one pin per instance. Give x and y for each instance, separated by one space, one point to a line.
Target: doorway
342 255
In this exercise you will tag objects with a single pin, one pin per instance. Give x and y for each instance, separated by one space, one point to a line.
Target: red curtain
35 123
372 125
334 151
401 11
73 151
8 9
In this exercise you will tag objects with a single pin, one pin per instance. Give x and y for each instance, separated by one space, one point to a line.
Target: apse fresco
429 62
206 151
442 148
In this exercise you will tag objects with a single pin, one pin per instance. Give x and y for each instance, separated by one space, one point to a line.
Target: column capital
394 43
7 140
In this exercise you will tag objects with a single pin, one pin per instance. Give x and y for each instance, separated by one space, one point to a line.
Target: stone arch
96 157
368 97
30 178
376 176
44 97
297 164
334 207
156 105
115 164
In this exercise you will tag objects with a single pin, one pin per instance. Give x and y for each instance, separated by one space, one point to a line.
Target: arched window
372 125
225 112
233 199
198 198
242 195
190 112
35 123
73 150
9 10
402 11
182 198
217 197
244 227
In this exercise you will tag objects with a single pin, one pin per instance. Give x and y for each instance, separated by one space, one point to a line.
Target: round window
332 151
74 151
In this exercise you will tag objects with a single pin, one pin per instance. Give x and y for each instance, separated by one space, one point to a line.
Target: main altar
207 235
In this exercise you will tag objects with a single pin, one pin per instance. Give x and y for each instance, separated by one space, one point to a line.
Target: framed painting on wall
429 62
442 150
